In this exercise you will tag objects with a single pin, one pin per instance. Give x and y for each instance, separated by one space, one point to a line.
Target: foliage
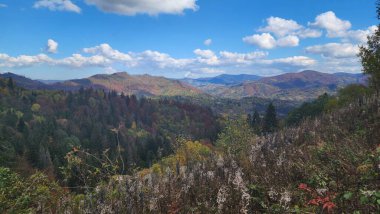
370 55
38 128
35 194
246 173
326 103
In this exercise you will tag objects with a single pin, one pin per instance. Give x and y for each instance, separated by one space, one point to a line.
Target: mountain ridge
304 85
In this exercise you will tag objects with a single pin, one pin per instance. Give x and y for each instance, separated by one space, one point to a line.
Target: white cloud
207 56
77 60
23 60
52 46
359 35
204 62
110 70
211 71
334 26
161 60
285 27
150 7
107 51
264 40
309 33
288 41
335 50
241 58
297 61
207 42
338 28
57 5
267 41
3 5
280 27
333 65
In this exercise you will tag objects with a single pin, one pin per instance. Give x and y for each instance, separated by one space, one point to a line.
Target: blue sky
64 39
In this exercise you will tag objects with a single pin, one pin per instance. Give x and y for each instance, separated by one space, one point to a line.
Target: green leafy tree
270 119
370 56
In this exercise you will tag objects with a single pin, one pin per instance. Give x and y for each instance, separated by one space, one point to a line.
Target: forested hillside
38 128
328 164
304 142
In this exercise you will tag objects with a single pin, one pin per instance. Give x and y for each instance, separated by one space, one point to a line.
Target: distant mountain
290 86
25 82
299 86
145 85
131 84
224 79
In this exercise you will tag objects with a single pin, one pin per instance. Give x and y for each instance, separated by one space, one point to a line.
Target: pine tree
249 119
270 119
10 83
256 120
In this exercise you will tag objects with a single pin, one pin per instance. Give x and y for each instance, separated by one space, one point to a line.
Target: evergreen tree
370 56
249 119
256 120
270 119
10 83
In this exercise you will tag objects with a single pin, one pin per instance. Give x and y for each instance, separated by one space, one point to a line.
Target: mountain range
290 86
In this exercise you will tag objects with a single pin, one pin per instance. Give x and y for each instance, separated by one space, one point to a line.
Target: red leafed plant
318 200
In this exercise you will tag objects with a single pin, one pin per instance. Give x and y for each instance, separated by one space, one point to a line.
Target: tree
370 56
10 83
254 121
270 119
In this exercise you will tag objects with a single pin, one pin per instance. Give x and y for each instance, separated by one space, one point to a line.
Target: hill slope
325 165
120 82
25 82
290 86
132 84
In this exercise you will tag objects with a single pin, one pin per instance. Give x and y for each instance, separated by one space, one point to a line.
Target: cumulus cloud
23 60
359 35
79 61
309 33
207 42
286 33
267 41
335 50
207 56
51 46
161 60
241 58
334 26
150 7
107 51
288 41
264 40
338 28
204 62
294 61
284 27
57 5
280 27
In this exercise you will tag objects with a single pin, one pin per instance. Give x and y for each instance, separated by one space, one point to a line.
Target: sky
67 39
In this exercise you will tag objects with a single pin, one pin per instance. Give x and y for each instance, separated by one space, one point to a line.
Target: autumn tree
370 56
